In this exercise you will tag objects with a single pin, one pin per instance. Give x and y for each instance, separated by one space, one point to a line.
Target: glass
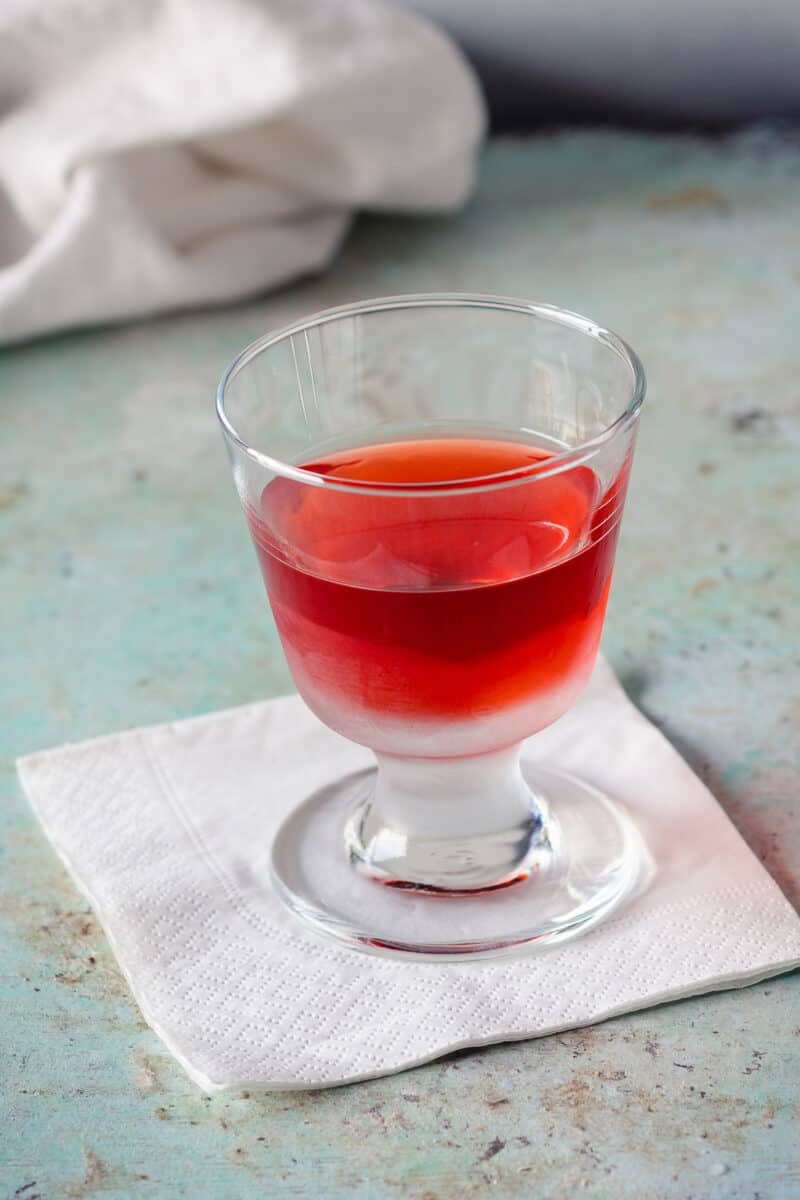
434 486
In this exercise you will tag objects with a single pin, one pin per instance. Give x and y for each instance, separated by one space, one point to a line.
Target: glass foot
569 859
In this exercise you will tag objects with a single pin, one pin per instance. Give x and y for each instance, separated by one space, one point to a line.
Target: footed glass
434 486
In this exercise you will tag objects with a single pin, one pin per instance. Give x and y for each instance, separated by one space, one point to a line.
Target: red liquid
403 618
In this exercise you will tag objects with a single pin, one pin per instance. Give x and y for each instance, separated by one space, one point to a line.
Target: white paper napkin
167 831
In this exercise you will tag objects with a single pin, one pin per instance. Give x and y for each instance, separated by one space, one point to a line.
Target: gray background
707 62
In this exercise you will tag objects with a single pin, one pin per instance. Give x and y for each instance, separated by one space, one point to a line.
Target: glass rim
560 461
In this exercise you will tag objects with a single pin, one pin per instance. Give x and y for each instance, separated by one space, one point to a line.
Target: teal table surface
130 594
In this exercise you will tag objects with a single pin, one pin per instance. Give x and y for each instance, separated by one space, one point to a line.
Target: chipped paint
700 196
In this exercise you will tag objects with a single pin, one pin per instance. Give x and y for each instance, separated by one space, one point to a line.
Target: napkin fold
182 152
167 831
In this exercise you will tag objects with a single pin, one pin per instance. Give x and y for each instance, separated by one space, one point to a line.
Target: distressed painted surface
130 594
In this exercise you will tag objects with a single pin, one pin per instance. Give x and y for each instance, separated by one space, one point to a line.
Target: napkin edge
212 1086
724 984
26 764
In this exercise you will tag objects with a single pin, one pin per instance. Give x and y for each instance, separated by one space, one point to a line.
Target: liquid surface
397 611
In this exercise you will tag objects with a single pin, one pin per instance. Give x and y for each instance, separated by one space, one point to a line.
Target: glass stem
447 825
452 797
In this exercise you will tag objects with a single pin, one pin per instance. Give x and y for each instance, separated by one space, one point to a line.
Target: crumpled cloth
169 153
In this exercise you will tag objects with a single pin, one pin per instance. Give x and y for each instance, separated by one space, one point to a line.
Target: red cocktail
440 625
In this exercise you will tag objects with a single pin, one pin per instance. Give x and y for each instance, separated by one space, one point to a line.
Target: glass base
570 858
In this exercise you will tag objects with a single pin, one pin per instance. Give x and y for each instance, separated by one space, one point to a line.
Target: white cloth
167 831
179 152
